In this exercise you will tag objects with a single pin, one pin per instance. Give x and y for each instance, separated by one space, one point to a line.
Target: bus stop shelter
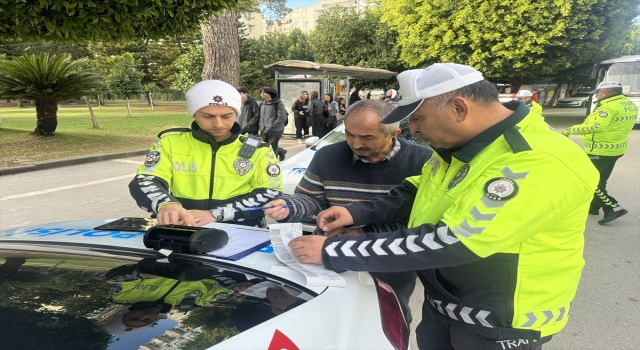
293 76
295 67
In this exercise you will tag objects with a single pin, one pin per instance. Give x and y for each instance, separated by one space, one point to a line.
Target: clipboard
129 224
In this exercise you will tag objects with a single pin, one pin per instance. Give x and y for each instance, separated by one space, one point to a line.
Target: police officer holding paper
496 219
208 172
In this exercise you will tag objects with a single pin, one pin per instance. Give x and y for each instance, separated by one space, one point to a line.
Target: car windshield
62 299
337 135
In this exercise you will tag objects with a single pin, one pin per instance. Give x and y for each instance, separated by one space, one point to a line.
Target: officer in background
496 220
605 134
197 176
526 96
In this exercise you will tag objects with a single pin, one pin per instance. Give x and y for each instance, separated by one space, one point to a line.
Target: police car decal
500 189
152 158
273 170
242 166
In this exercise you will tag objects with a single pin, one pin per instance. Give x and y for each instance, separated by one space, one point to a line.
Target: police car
67 285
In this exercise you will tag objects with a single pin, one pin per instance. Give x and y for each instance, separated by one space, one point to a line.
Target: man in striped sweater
371 162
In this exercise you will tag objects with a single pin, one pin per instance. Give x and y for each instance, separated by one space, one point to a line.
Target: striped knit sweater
334 179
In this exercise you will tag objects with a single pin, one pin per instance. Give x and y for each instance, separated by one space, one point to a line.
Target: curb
70 161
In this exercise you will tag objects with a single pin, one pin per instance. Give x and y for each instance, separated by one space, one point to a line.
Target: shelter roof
313 68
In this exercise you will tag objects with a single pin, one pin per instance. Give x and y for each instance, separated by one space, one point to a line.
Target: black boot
594 211
612 215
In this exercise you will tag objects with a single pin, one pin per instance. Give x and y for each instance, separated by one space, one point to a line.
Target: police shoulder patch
500 189
603 114
242 166
273 170
152 158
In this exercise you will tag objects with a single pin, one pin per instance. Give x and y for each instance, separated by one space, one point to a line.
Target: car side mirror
309 141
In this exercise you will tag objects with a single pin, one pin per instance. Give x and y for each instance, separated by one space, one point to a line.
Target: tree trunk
47 114
20 103
515 85
93 116
98 99
128 107
221 48
555 95
146 97
149 99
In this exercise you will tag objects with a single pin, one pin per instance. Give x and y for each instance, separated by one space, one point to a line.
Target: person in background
300 111
526 96
342 110
331 121
390 96
273 117
605 135
317 111
249 113
355 96
195 176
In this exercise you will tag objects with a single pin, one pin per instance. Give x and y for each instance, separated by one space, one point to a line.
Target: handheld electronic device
249 146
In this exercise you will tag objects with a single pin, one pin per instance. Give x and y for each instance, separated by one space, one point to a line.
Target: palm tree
46 79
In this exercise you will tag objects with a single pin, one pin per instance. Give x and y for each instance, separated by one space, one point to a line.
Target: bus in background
626 71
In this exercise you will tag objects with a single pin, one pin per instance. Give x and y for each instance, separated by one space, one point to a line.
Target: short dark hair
271 91
482 92
243 89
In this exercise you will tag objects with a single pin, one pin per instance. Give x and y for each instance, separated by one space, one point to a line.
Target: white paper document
317 275
240 240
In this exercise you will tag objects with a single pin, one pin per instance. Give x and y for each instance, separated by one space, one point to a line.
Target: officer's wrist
161 205
223 214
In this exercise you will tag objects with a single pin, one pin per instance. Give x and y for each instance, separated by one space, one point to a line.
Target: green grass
75 136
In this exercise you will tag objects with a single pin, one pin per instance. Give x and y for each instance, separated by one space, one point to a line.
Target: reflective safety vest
535 107
495 229
152 289
190 168
605 132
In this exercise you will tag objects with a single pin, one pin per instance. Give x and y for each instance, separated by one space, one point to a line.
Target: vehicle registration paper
317 275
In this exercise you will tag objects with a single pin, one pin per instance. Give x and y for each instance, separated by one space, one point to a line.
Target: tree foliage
81 20
123 78
46 77
188 67
367 42
511 39
268 49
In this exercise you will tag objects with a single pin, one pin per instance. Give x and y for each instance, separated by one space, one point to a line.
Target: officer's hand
202 217
341 231
277 213
334 217
308 249
175 214
564 132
